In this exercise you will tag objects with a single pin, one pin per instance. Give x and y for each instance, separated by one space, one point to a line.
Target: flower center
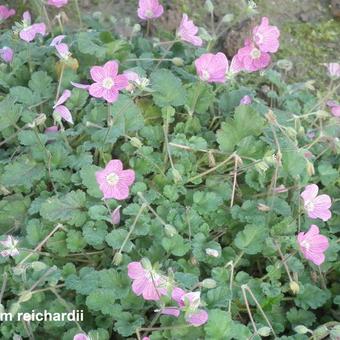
108 83
255 53
309 206
112 178
149 13
205 75
305 244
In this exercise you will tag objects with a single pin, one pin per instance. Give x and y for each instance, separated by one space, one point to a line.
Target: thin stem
231 265
60 79
3 287
248 308
79 14
234 181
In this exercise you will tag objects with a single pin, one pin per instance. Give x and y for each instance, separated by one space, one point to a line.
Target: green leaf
200 97
41 85
23 95
247 122
294 162
36 231
94 233
29 138
328 174
57 244
88 176
168 89
175 245
23 172
75 241
69 208
127 323
116 238
251 239
9 112
219 325
103 300
300 317
89 43
311 297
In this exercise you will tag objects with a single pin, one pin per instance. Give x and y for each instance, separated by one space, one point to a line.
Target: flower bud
136 142
310 168
117 259
228 18
170 230
177 175
209 6
25 296
146 264
212 252
177 61
294 287
271 117
263 207
264 331
193 261
301 329
208 283
136 28
40 119
285 64
291 132
211 159
261 166
321 332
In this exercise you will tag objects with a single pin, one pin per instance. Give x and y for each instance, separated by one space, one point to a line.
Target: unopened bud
170 230
310 168
211 158
301 329
261 166
301 131
263 207
146 264
193 261
209 6
208 283
321 332
40 119
228 18
291 132
117 259
285 64
177 61
321 114
264 331
294 287
212 252
136 142
110 121
25 296
136 28
271 117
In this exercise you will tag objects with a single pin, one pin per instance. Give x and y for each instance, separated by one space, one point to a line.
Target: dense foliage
214 206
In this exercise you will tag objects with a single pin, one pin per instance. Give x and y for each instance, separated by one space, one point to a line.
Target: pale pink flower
6 54
149 9
189 303
51 129
108 82
10 243
62 48
113 181
115 216
146 281
81 86
316 206
62 110
335 108
187 31
236 66
146 338
251 58
57 3
29 32
266 37
81 336
212 67
333 70
313 245
246 100
133 79
6 13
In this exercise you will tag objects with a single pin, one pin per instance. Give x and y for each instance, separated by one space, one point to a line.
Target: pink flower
81 86
29 32
115 216
189 303
62 48
266 37
246 100
149 9
212 67
187 31
133 79
146 338
280 189
57 3
333 70
61 110
316 206
51 129
10 243
113 181
6 13
236 66
313 245
146 281
335 108
6 54
81 336
251 58
107 81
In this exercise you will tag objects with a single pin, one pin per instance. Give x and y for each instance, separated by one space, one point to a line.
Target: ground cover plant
164 189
